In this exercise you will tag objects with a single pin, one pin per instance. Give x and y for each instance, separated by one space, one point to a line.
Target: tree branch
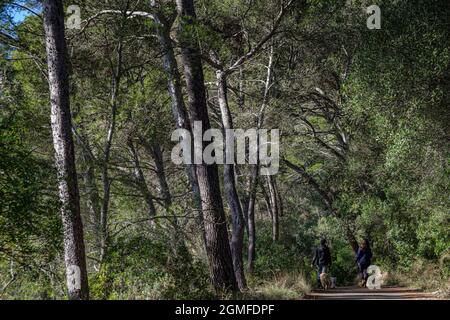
261 43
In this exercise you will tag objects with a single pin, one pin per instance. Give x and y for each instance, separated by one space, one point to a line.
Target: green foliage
144 268
385 92
399 77
29 216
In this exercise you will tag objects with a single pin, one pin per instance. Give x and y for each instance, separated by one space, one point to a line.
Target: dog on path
325 281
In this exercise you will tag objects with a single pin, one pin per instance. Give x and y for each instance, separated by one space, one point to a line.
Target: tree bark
74 251
179 112
237 235
254 176
217 245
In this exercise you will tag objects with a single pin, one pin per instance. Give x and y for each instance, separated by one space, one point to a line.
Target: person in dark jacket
322 259
364 260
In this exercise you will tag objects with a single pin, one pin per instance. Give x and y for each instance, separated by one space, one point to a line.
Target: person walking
364 260
322 260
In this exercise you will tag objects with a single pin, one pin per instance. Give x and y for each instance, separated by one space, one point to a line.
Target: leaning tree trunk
237 235
142 183
216 234
157 156
327 199
74 254
179 112
178 239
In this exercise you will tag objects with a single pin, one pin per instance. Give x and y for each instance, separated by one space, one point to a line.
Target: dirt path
356 293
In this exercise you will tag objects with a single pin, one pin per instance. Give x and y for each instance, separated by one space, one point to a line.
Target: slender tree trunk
157 156
92 195
279 199
245 202
106 183
274 208
140 179
254 175
351 239
174 86
106 180
216 234
241 97
266 200
251 227
74 254
178 239
89 180
237 236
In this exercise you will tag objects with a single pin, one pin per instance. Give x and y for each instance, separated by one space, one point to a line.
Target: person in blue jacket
364 260
322 259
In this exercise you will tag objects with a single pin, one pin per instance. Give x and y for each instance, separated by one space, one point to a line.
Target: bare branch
261 43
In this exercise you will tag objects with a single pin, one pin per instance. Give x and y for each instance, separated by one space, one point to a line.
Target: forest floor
356 293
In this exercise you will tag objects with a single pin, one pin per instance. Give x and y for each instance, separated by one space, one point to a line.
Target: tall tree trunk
106 180
274 208
237 235
254 175
179 112
74 254
217 245
251 227
106 183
